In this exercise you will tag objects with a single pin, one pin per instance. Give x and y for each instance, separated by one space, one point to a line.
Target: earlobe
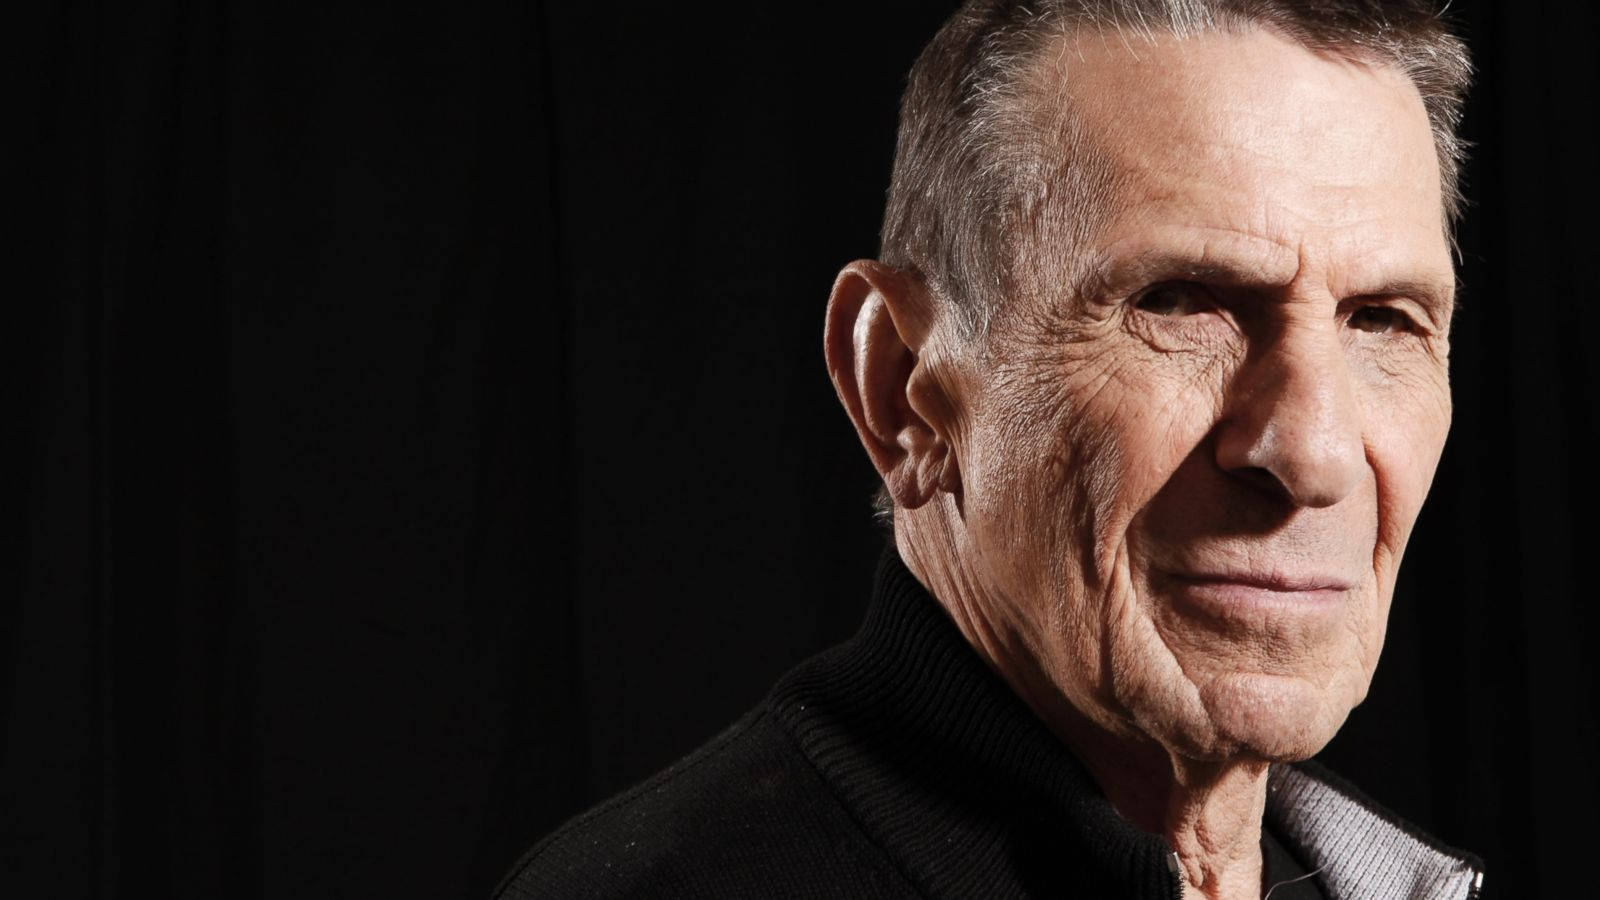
877 329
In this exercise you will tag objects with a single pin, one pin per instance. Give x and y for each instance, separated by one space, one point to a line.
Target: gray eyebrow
1108 275
1435 295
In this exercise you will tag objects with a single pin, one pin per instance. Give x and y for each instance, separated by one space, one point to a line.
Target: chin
1249 716
1274 718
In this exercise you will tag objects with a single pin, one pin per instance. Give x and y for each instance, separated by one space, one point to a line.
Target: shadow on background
428 435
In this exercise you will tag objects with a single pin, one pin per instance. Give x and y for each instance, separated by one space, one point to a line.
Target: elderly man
1154 369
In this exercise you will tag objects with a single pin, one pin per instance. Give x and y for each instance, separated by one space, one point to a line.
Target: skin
1166 497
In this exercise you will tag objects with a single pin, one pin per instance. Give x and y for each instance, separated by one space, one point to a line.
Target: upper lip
1270 581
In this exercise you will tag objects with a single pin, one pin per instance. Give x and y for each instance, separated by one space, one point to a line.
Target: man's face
1189 477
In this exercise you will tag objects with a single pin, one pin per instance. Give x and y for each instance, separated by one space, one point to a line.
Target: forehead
1249 142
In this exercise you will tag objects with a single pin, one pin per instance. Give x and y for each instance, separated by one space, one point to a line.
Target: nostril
1262 480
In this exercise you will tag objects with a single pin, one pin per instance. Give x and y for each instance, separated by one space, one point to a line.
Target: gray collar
1358 849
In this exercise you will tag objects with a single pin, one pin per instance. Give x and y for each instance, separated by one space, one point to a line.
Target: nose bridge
1296 416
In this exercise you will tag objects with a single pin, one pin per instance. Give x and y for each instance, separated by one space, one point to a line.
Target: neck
1209 812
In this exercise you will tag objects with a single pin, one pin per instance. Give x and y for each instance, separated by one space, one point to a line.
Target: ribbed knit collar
949 772
971 795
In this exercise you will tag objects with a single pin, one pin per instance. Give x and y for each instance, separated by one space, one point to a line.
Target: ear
877 339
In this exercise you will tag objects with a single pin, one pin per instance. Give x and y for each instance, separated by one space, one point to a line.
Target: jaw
1273 718
1240 704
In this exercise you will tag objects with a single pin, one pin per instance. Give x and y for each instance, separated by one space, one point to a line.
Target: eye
1174 298
1381 320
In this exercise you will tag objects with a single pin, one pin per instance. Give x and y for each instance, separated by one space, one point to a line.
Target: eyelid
1417 320
1193 288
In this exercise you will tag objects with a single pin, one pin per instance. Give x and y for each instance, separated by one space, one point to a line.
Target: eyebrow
1116 275
1438 297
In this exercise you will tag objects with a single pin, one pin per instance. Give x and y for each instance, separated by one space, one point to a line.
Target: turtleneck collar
949 771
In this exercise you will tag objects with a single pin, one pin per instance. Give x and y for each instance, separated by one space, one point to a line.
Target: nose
1291 424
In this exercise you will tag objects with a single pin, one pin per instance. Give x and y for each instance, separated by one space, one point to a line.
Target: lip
1272 582
1250 596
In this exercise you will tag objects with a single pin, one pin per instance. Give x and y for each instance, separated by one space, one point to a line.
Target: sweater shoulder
743 815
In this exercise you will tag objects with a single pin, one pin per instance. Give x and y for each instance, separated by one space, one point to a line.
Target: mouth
1275 582
1231 594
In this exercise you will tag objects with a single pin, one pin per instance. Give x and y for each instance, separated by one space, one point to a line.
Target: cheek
1146 420
1408 419
1071 447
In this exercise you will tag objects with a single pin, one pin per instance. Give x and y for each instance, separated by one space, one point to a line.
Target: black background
426 432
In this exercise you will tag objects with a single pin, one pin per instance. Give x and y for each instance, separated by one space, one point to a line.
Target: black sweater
894 765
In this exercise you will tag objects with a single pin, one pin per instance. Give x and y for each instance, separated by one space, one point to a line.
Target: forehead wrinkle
1283 200
1268 244
1293 224
1361 263
1329 111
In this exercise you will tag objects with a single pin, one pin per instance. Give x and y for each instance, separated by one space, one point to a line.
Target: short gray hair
973 162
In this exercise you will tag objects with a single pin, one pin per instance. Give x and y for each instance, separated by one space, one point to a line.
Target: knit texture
894 765
1360 849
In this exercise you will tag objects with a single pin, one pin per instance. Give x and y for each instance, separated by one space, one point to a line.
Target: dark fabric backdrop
425 432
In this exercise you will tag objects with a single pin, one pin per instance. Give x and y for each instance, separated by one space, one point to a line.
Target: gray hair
974 159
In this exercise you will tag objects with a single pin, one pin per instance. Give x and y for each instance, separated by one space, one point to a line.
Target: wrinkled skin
1168 495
